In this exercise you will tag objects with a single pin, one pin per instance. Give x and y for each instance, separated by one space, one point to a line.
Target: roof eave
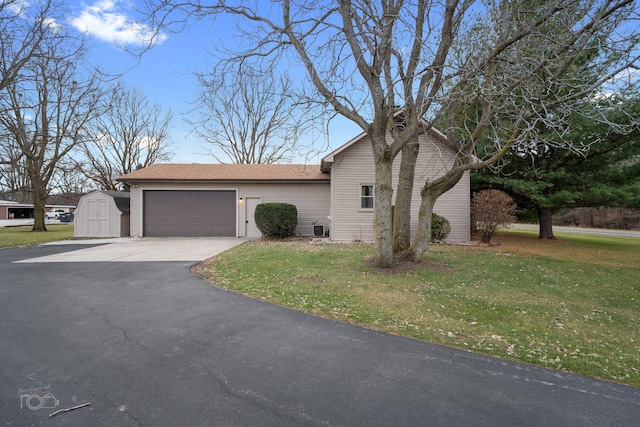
326 163
203 181
328 159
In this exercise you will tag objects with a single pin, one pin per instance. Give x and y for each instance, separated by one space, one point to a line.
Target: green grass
570 304
11 237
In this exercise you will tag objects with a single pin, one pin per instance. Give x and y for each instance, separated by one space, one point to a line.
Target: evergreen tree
602 170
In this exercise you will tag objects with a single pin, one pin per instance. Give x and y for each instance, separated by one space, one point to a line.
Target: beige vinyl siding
135 211
455 206
351 169
354 167
311 200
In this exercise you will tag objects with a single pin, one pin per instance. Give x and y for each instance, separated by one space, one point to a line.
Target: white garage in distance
102 214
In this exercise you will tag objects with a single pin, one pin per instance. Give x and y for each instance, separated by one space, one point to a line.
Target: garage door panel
189 213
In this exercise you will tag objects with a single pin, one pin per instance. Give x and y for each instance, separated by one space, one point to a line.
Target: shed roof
226 172
122 199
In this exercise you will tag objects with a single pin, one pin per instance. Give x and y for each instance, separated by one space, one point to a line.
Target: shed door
98 221
189 213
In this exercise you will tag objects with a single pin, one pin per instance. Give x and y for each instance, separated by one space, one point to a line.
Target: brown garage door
189 213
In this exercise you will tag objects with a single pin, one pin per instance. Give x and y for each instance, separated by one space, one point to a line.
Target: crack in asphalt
115 327
260 402
257 400
251 397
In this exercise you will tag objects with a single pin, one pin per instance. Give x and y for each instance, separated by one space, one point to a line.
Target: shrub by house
440 227
276 219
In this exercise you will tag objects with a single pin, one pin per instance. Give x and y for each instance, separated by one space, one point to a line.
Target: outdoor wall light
241 200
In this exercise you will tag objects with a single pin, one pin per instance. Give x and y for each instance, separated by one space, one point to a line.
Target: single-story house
102 214
220 199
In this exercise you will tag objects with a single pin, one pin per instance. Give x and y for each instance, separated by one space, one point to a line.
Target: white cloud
105 21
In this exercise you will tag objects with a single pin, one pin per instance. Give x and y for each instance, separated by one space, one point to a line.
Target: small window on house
366 197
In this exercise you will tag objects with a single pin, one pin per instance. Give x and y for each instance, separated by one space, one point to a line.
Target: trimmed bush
491 209
440 227
276 219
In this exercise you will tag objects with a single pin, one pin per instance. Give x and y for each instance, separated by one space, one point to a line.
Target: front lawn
570 304
23 236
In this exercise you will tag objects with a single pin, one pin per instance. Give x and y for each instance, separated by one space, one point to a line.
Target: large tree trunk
423 236
546 223
430 193
39 198
402 211
382 223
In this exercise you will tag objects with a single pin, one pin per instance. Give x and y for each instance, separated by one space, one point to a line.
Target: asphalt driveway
146 343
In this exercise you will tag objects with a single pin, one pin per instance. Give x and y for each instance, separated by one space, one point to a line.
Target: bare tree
491 63
46 109
132 133
14 180
69 183
22 29
248 115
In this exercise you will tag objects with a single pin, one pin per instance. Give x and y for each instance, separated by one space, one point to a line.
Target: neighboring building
13 210
215 199
102 214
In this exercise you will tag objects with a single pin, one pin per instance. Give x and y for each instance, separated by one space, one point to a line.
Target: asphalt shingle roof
226 172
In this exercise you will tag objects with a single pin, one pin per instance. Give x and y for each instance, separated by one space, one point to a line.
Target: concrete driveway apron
147 343
146 249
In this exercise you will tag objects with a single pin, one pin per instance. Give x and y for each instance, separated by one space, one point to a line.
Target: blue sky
165 73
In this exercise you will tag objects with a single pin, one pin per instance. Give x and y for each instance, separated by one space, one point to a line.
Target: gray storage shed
102 214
